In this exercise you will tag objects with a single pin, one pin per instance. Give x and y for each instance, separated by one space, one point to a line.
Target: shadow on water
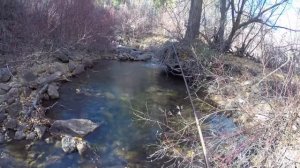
107 94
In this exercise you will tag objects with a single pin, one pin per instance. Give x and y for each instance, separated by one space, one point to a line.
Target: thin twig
194 111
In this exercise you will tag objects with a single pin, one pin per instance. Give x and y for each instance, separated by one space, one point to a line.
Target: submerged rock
73 127
53 91
68 144
82 147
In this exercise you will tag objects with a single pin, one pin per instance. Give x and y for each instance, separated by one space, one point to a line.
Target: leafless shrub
49 24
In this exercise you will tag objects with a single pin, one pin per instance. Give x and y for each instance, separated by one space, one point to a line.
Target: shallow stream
108 94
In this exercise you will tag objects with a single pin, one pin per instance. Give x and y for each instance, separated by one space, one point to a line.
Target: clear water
108 94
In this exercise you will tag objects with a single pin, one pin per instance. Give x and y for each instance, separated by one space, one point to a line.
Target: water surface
108 94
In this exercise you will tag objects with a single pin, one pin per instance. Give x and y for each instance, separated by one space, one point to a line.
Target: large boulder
73 127
53 91
5 75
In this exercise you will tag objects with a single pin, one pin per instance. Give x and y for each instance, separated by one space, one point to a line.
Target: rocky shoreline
24 88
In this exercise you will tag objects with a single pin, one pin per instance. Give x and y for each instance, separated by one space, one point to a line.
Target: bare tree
194 20
218 39
237 15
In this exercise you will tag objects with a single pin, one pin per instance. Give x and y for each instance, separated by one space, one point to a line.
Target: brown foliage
54 23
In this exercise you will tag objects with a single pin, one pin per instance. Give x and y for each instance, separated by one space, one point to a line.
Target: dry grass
262 102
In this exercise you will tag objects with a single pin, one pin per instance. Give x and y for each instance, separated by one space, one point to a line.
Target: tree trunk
219 41
193 26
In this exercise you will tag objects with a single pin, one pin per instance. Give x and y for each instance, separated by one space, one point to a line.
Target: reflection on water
107 95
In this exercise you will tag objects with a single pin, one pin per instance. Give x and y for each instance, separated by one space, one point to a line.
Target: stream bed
108 94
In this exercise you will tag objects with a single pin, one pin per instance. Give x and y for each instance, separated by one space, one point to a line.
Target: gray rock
51 78
73 127
58 67
78 70
28 76
13 92
87 62
11 124
2 117
19 135
2 138
49 140
123 49
53 91
136 53
2 92
82 147
62 56
46 96
31 136
9 135
4 88
68 144
72 66
124 57
40 131
14 109
10 101
144 57
2 98
5 75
